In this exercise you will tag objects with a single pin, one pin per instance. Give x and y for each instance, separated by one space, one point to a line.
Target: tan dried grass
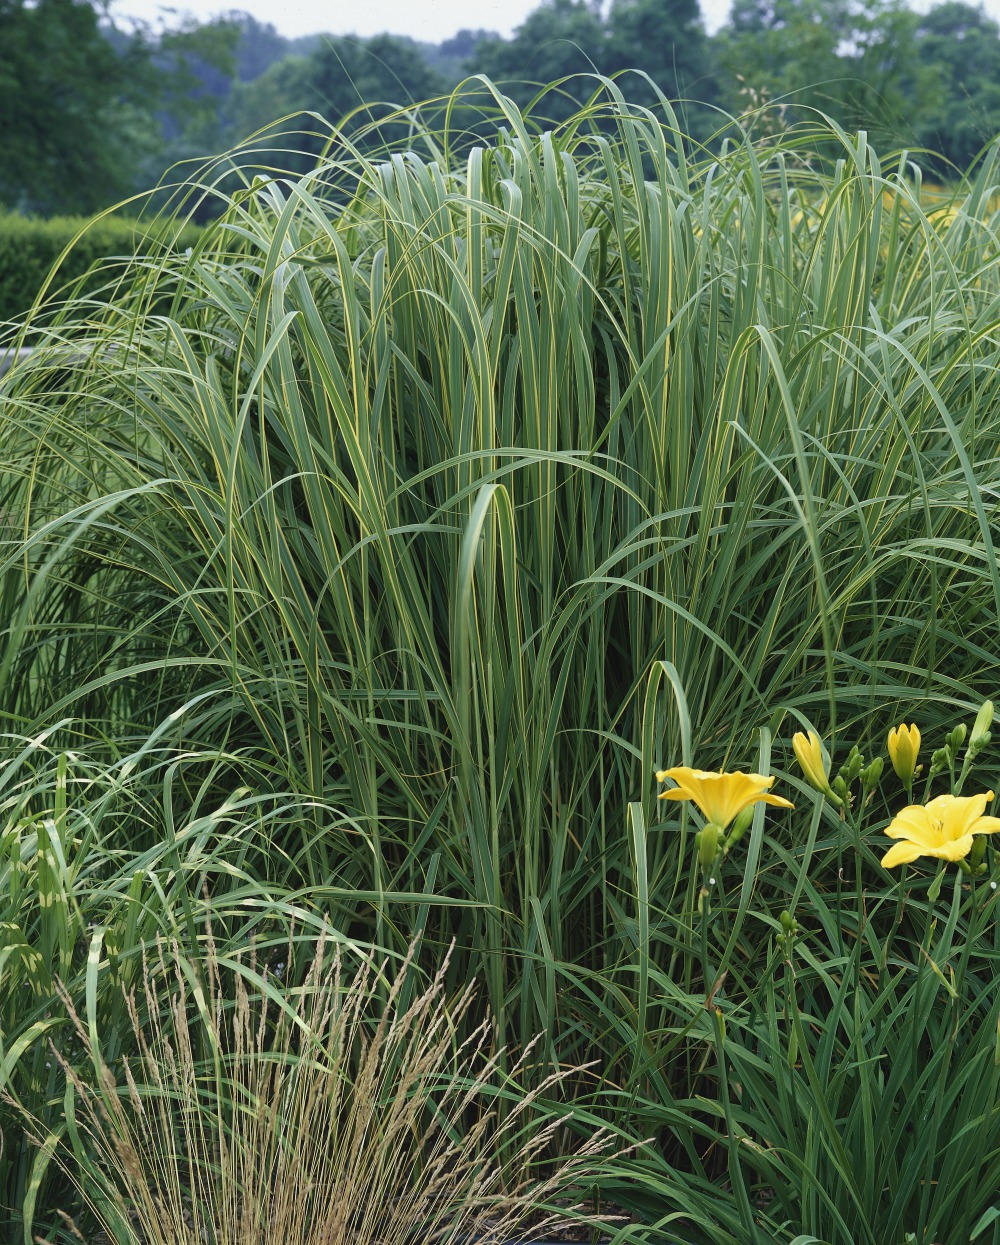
339 1112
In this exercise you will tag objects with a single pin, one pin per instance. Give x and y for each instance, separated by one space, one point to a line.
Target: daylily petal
916 823
744 786
986 825
681 773
939 805
961 815
779 801
720 796
954 849
725 796
901 854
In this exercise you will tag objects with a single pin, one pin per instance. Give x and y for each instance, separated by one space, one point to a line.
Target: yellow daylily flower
809 754
721 797
943 828
904 745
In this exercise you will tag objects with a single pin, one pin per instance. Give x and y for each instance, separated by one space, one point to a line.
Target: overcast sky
429 20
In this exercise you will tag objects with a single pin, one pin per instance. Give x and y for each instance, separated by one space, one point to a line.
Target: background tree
451 58
341 76
886 88
92 113
784 50
961 46
73 108
666 39
856 62
560 39
193 70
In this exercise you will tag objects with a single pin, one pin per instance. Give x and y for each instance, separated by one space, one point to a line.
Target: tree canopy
92 113
72 107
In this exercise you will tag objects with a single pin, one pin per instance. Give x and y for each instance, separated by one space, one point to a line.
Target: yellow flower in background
945 216
721 797
943 828
904 745
809 754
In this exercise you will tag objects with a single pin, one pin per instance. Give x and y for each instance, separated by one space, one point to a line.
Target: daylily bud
977 852
740 826
789 932
980 731
708 845
957 737
904 747
870 776
809 754
940 760
982 724
840 787
852 766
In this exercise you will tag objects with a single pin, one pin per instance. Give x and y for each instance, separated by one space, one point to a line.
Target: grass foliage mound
364 565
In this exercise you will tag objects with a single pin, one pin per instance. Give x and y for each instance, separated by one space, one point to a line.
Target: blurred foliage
664 39
860 64
340 78
94 112
961 46
30 246
72 106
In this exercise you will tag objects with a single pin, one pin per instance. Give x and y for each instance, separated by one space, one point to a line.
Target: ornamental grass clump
358 1107
458 490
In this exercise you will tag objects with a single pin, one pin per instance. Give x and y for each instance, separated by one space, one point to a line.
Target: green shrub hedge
29 246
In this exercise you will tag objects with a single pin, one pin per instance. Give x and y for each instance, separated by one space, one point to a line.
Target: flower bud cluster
789 932
949 828
944 758
816 768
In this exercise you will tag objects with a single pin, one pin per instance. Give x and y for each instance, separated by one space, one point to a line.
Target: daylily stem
855 825
963 774
705 912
